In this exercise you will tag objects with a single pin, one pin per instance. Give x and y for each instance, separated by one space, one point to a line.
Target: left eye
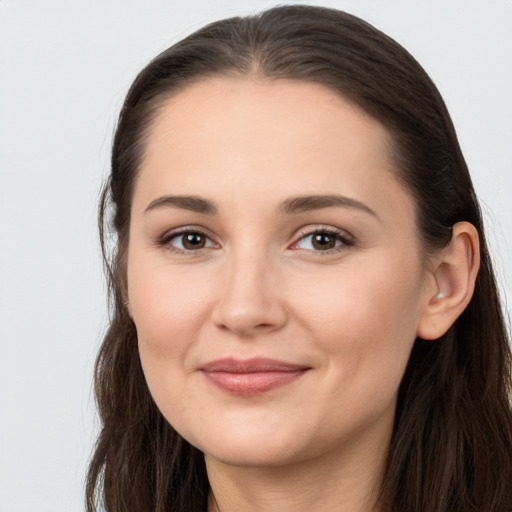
323 241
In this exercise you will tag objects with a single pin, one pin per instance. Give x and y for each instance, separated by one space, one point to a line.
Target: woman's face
274 272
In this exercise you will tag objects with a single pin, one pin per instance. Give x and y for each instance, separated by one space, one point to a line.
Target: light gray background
64 69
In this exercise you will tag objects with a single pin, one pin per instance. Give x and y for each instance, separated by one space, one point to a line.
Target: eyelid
321 228
346 238
166 238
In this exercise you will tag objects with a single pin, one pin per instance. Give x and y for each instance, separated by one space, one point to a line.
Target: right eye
187 241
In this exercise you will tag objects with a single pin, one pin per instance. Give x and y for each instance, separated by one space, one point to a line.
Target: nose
249 301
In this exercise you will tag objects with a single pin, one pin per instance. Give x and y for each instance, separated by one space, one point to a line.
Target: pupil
193 241
322 241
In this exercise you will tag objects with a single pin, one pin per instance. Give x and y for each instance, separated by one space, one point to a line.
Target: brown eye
187 241
193 241
323 241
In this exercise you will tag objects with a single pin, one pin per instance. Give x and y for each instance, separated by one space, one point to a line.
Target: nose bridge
250 275
249 298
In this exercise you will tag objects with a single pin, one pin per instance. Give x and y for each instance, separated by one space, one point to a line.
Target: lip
253 376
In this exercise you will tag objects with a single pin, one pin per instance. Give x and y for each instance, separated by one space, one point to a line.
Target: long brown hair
451 449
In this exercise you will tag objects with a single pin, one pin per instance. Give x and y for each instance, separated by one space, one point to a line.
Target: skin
259 287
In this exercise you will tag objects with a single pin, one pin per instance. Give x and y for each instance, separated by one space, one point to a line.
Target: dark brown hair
451 449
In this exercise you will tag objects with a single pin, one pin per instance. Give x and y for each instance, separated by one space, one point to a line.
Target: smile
251 377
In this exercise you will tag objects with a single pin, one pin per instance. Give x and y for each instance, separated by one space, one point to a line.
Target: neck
348 482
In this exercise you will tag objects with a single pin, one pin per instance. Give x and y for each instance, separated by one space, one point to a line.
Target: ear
452 282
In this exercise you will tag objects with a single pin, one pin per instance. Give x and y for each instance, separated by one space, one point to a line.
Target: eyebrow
290 206
192 203
307 203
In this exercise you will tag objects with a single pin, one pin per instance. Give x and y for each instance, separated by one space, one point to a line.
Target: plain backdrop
64 69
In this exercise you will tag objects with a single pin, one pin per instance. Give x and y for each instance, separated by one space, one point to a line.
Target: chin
250 449
250 458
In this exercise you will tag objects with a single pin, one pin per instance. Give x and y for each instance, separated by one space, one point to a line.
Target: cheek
363 322
365 317
166 305
168 308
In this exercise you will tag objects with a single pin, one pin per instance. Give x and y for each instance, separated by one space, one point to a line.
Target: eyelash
339 236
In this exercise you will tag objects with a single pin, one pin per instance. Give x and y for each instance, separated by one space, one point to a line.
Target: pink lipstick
251 377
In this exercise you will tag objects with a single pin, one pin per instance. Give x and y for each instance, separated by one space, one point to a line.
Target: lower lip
249 384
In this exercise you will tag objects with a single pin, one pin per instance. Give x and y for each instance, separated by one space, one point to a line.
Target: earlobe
454 275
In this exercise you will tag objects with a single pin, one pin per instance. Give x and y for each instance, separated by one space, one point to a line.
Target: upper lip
255 365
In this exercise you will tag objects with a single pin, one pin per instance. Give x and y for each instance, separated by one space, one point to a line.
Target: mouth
253 376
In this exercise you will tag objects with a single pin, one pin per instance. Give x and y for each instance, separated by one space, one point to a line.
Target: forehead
223 109
247 135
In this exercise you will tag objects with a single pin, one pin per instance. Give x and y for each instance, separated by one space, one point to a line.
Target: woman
305 316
